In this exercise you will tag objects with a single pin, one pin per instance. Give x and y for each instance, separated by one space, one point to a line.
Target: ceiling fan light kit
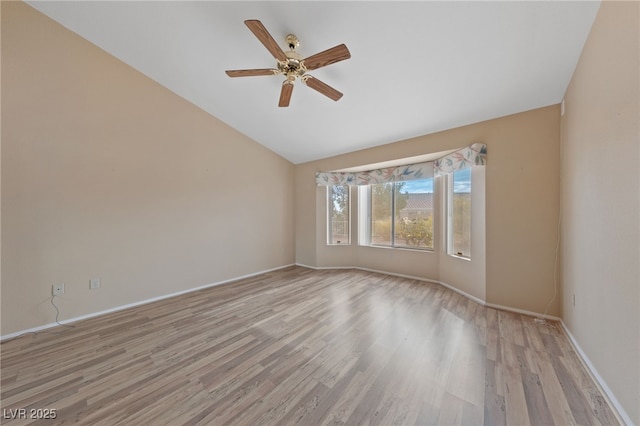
292 65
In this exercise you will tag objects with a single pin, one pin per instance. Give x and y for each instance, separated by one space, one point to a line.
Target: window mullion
369 215
393 214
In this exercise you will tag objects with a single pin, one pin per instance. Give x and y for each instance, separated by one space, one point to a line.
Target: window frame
330 222
450 187
365 205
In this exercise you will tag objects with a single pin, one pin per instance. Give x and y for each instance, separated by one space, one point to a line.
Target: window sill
415 249
467 258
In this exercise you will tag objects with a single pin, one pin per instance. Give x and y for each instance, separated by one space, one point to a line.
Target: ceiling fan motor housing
293 66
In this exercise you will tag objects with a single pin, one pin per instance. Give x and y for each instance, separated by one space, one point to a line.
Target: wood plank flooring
297 346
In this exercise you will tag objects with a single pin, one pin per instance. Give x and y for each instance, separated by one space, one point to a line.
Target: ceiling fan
292 65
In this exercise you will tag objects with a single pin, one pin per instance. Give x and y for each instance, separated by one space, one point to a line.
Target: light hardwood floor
297 346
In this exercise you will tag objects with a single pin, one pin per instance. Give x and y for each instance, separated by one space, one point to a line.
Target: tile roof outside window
418 205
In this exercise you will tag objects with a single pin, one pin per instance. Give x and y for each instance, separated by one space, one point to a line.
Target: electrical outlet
57 289
94 283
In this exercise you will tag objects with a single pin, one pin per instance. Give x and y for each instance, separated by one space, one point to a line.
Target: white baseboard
522 311
410 277
449 286
623 417
322 268
598 380
604 388
134 304
463 293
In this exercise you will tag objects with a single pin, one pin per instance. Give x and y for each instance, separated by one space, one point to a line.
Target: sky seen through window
462 183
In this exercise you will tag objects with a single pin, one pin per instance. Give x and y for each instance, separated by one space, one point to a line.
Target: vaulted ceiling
415 68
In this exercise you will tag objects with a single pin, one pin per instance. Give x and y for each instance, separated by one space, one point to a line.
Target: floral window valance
370 177
474 155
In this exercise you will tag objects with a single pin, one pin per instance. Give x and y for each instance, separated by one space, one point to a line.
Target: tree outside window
402 214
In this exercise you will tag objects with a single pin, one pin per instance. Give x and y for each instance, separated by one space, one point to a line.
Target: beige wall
522 210
0 174
600 202
107 174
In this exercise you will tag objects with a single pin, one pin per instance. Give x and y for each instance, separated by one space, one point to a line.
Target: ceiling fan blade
251 73
327 57
323 88
265 38
285 94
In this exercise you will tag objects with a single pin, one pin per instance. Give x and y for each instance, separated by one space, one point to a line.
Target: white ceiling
416 67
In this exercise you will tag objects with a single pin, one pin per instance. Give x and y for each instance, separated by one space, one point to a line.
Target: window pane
460 239
338 215
381 204
414 213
